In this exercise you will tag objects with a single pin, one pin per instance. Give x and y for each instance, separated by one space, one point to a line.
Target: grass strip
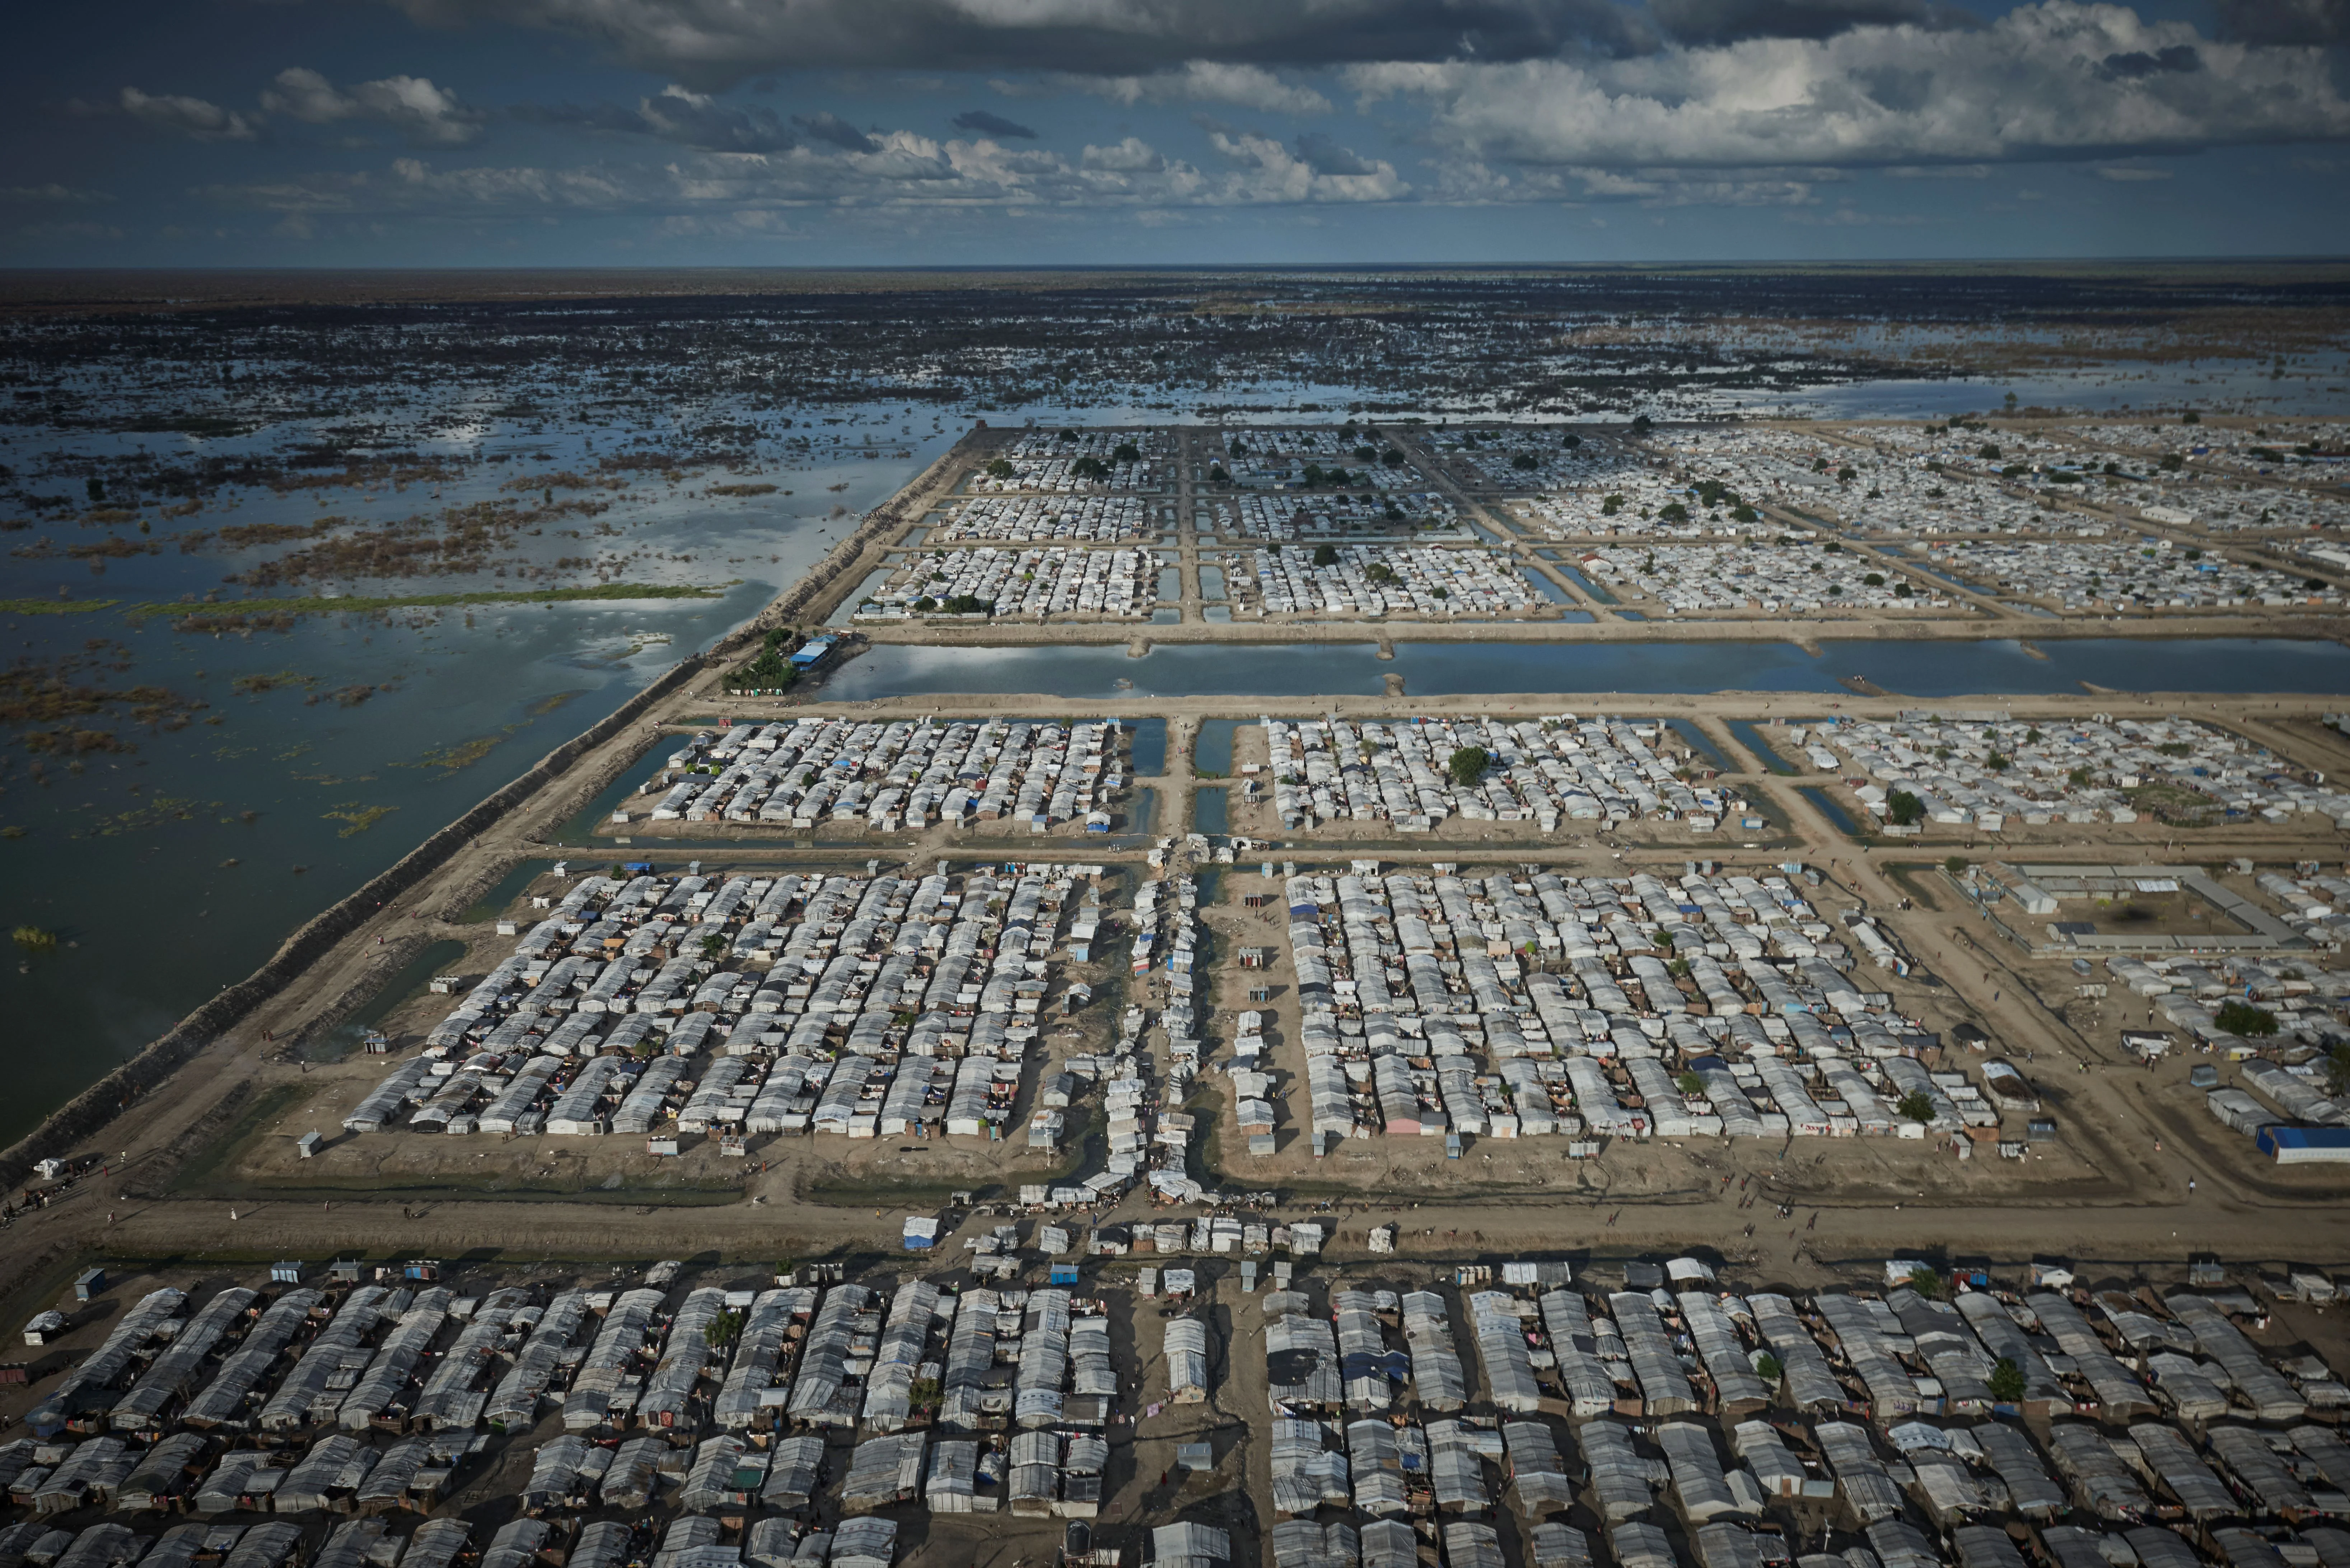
53 607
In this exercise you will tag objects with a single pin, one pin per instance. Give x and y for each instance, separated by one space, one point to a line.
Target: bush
1768 1368
1469 764
2244 1017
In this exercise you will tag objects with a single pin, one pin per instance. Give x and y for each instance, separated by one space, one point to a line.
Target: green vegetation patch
53 607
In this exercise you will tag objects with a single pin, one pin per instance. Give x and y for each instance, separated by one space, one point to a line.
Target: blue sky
1007 132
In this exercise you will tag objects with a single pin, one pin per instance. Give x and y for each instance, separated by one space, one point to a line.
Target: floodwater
1923 670
174 870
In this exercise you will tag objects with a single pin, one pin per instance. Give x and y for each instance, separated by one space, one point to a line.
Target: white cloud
189 116
1207 81
426 113
1131 156
2053 79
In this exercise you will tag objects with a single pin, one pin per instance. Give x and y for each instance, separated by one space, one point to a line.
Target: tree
1927 1284
1392 457
1217 475
2006 1381
2079 778
2337 1070
1901 590
1469 764
2244 1017
714 948
1989 451
1997 761
1956 866
1673 512
96 488
1000 468
1126 451
1689 1083
1642 424
722 1330
1525 462
1325 554
1767 1367
1905 809
1380 572
1915 1106
1873 579
1610 505
1090 468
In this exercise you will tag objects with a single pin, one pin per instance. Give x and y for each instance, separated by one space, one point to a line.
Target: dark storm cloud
1700 21
979 123
1324 156
2284 21
720 42
827 127
687 119
2137 63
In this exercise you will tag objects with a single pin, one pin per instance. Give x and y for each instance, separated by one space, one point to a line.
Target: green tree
1989 451
1000 468
1915 1106
1610 505
1905 809
1873 579
2244 1017
1525 462
1126 451
1673 512
1392 457
1927 1284
1689 1083
1216 474
1901 590
1768 1368
1997 761
2006 1381
1469 764
714 948
722 1330
1956 866
1090 468
1325 554
1642 424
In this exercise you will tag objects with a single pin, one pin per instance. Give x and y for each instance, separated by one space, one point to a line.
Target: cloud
827 127
1207 81
52 194
1272 172
2140 64
715 43
2285 21
1129 157
421 111
1729 21
1324 156
979 123
2035 84
189 116
675 114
